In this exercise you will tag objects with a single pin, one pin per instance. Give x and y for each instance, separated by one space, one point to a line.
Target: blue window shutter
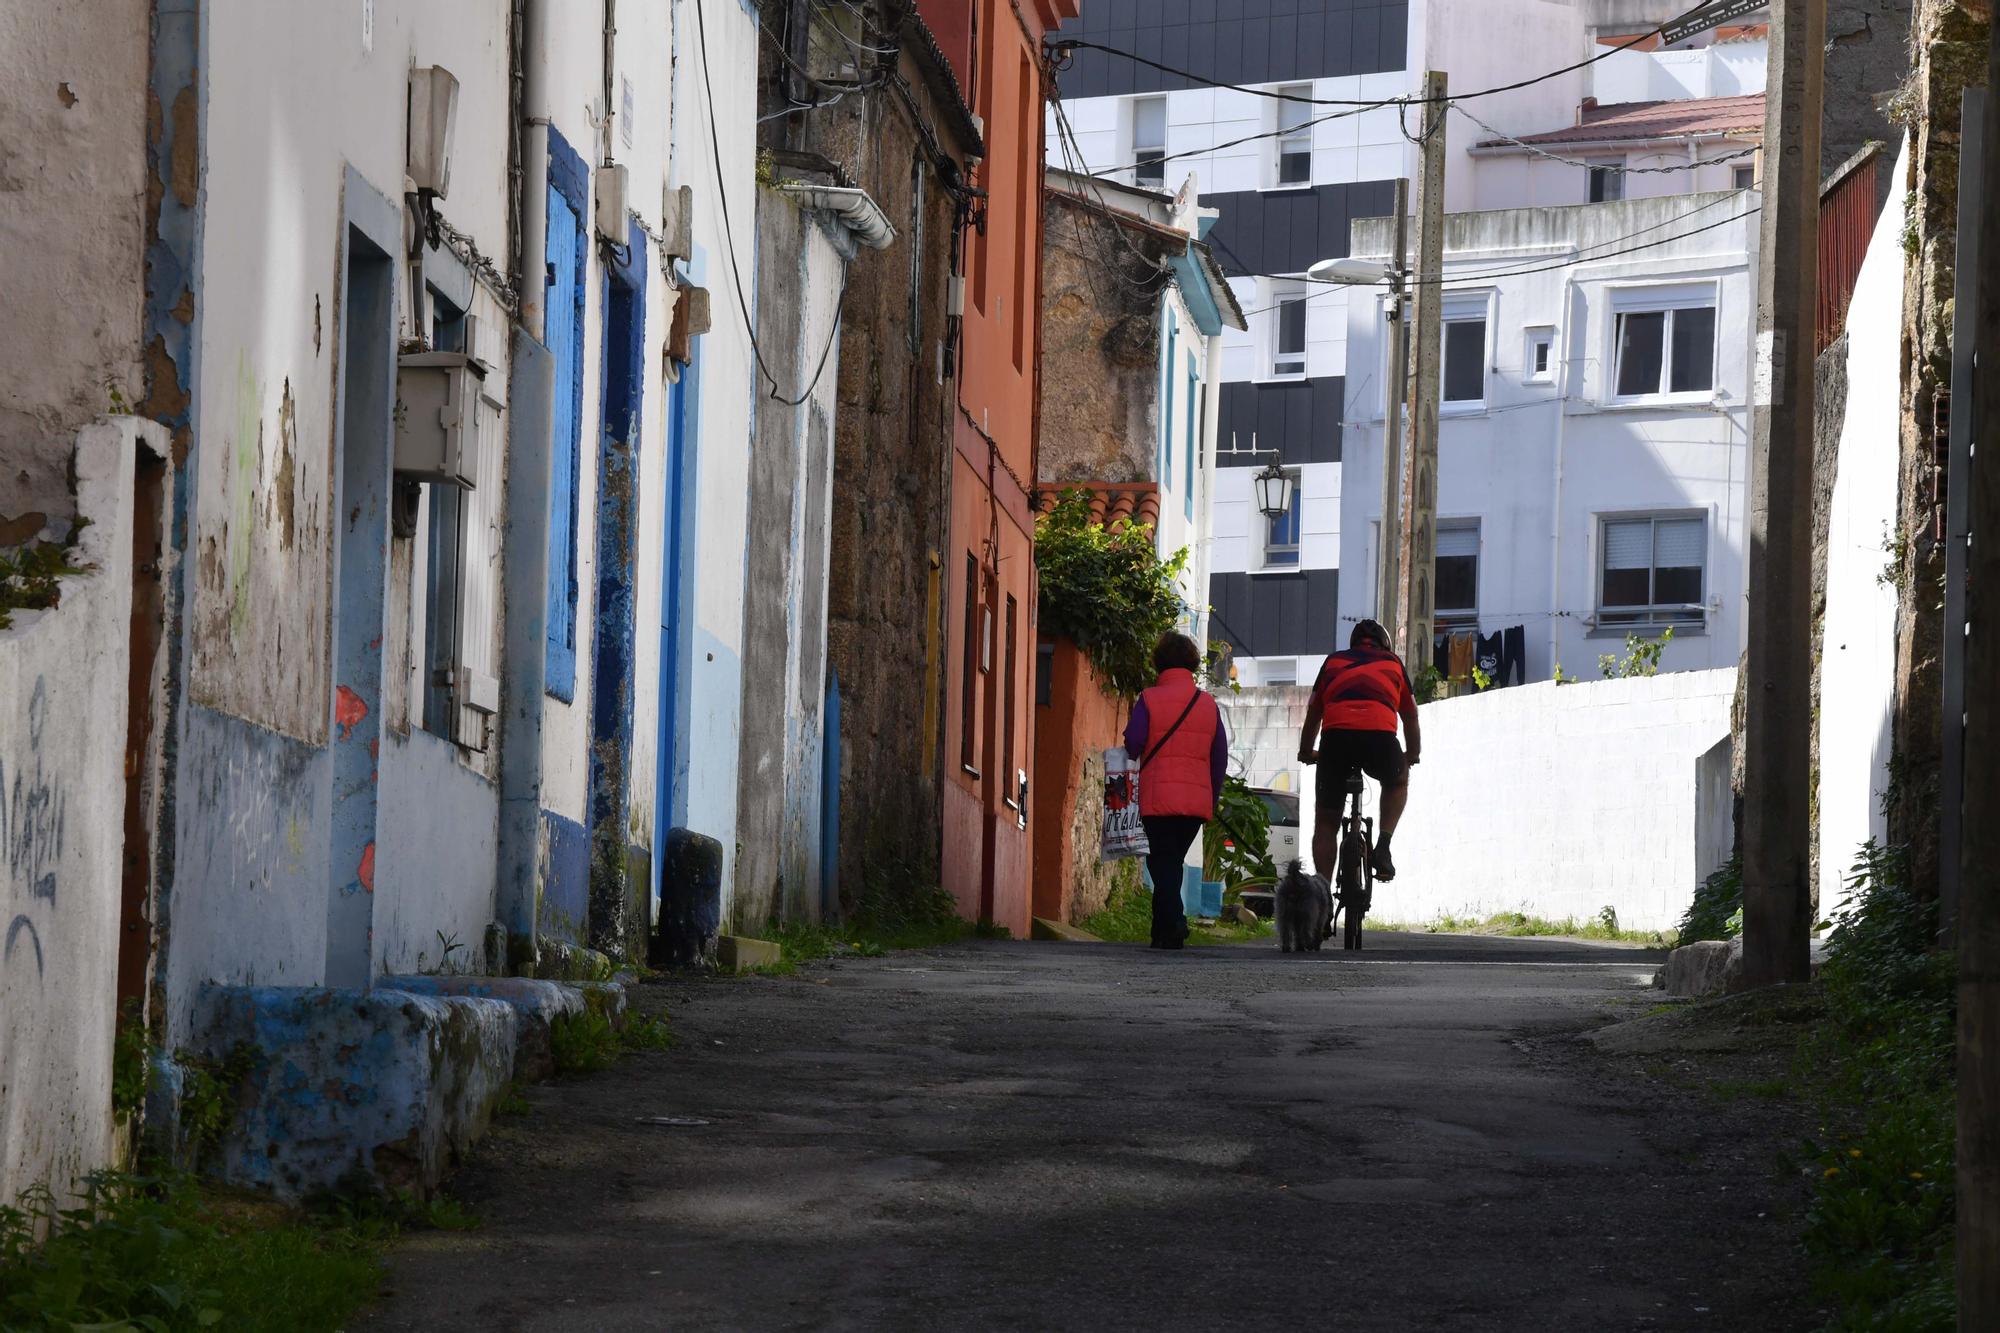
563 330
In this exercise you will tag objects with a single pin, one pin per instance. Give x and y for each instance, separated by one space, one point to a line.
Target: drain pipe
1555 509
524 541
853 207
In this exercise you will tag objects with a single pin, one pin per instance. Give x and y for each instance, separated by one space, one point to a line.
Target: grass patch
1127 918
31 575
896 908
1879 1230
513 1102
164 1256
1520 925
588 1042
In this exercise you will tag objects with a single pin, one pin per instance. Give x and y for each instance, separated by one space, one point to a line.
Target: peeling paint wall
73 120
62 794
784 638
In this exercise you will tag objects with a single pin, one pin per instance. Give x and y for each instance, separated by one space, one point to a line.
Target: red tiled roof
1110 501
1623 121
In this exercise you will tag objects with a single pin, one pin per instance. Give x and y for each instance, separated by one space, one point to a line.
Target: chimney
1588 105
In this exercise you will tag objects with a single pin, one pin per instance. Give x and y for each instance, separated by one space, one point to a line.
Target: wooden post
1777 762
1389 563
1979 837
1419 555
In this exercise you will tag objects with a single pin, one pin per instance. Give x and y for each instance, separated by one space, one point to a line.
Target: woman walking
1176 731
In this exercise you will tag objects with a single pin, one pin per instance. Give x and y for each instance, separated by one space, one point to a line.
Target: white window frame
1298 546
1537 337
1283 292
1139 150
1463 308
1614 165
1459 617
1282 139
1612 621
1650 299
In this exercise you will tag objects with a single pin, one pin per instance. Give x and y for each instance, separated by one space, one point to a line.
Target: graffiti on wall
32 815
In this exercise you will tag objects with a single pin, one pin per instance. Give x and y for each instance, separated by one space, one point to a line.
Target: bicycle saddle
1353 780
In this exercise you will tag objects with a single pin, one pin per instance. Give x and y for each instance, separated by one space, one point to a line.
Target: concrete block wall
63 682
1560 801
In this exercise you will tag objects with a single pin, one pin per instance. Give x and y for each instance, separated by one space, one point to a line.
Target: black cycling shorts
1375 753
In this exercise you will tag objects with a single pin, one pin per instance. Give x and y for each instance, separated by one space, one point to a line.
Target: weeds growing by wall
1879 1229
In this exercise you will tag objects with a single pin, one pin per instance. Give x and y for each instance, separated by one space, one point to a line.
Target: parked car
1283 808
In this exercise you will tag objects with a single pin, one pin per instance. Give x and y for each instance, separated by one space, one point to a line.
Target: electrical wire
1068 44
729 237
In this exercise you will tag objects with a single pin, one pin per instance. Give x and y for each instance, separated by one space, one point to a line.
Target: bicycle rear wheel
1363 894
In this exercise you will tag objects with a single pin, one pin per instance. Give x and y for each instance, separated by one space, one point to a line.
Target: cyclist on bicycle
1357 699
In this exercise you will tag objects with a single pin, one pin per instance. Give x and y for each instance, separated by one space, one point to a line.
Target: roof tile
1111 502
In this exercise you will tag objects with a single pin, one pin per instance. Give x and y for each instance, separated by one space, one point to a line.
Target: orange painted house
989 562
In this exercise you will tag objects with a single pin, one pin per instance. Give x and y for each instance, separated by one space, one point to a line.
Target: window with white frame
1149 141
1465 350
1607 181
1653 569
1664 342
1538 358
1281 531
1456 588
1294 141
1278 671
1745 178
1288 329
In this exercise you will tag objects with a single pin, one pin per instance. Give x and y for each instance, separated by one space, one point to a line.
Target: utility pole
1777 762
1419 535
1388 562
1979 836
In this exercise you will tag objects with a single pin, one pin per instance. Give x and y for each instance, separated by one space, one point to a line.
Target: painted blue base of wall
562 910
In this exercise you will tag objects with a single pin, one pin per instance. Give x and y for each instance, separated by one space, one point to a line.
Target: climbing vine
1108 589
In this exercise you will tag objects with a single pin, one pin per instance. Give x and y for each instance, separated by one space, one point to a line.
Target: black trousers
1169 837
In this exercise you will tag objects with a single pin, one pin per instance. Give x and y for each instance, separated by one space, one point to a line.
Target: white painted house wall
1539 463
1730 69
63 704
1858 647
1560 801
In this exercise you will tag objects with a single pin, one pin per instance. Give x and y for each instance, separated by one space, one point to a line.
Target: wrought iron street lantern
1274 491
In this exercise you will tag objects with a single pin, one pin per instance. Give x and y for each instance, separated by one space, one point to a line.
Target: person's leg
1393 800
1168 837
1328 798
1388 766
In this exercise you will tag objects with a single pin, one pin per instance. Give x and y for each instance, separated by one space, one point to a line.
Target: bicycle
1354 884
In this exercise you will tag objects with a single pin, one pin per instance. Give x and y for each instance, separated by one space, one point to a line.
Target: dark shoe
1385 869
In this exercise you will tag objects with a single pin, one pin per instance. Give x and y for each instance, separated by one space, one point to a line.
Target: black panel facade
1277 615
1300 419
1233 41
1288 231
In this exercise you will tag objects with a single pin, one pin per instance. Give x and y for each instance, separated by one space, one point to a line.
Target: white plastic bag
1124 835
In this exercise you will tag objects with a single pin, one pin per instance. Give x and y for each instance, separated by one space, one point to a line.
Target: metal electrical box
437 415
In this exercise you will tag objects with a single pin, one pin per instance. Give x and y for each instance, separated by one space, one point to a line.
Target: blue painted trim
622 413
563 908
1167 403
1193 401
677 593
569 181
1202 302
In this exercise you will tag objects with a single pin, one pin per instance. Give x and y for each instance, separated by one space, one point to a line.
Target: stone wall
1948 47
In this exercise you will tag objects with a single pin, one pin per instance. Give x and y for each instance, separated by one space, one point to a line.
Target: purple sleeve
1136 729
1218 755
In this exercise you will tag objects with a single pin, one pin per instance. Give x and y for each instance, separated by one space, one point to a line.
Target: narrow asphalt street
1077 1136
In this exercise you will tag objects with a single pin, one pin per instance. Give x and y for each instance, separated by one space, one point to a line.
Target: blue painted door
563 330
676 602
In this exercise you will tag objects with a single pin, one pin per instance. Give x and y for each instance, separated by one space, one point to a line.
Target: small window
1539 359
1653 570
1465 360
1281 535
1288 339
1666 351
1149 141
1746 178
1295 136
1607 182
1278 671
1457 583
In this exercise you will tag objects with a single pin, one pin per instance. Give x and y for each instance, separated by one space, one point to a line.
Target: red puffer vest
1177 779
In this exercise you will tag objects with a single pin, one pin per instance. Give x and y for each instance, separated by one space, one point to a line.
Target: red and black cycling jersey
1362 689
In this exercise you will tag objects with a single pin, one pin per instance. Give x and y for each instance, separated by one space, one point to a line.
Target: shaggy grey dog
1303 907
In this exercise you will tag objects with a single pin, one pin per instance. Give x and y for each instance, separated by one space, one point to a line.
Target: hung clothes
1487 658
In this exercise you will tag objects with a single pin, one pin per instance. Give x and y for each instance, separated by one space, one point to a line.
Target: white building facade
1593 444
